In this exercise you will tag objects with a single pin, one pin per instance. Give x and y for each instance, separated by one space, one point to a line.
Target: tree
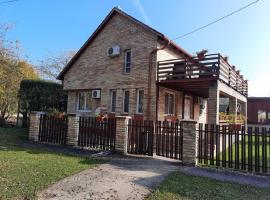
51 66
12 71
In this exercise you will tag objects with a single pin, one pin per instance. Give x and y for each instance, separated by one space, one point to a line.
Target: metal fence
247 150
96 133
53 129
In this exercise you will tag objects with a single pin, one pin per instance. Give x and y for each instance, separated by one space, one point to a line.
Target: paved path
122 178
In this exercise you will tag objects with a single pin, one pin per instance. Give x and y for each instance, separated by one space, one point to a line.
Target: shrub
39 95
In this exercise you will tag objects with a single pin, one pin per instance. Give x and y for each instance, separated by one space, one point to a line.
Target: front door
187 108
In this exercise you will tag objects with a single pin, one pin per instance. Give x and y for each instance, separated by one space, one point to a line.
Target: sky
51 27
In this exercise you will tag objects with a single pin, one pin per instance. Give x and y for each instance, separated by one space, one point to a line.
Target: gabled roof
114 11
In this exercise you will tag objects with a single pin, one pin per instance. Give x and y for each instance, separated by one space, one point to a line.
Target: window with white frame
113 100
140 98
127 61
169 103
126 101
261 116
84 101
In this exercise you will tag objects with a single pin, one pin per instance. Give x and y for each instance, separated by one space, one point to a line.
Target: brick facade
95 70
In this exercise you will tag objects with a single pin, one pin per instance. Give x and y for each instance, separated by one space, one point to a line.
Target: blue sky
47 27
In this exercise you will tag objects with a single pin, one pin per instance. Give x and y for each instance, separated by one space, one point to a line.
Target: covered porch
203 79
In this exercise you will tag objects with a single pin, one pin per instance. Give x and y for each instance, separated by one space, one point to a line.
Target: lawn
23 172
244 154
181 186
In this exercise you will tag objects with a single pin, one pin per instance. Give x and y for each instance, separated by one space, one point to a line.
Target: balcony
197 74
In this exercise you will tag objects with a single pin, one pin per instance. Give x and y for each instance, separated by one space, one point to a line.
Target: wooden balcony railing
212 66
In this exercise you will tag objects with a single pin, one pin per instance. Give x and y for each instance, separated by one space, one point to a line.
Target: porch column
190 142
121 137
213 104
34 125
73 130
233 107
244 110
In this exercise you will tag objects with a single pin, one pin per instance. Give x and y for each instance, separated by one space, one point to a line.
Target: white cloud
139 6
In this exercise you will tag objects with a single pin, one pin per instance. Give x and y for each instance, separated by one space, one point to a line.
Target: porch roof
198 87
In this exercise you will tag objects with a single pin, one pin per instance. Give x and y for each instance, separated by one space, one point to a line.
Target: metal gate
166 138
169 139
99 134
140 137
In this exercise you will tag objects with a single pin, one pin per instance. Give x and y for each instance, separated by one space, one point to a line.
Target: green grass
181 186
252 148
233 148
23 172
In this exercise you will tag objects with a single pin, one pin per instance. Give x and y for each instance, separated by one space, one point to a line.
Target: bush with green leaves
39 95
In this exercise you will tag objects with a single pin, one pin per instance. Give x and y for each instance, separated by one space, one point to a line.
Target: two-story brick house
124 61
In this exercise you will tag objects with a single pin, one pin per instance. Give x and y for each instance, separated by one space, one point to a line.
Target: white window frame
165 111
137 104
264 113
112 91
124 91
78 101
125 61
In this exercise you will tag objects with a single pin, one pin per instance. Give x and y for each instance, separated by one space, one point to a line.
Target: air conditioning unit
95 94
113 51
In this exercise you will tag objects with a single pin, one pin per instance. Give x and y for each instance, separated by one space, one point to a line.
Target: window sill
84 111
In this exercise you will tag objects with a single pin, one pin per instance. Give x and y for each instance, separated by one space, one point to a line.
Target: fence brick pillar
190 142
213 104
34 125
73 130
121 137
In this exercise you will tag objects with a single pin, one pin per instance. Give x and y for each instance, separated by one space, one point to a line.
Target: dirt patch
122 178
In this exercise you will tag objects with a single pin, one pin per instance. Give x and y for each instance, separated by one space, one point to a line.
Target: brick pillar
190 142
213 104
121 134
73 130
233 107
34 125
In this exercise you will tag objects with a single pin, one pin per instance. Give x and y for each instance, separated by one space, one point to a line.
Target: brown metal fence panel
53 129
169 139
140 137
247 150
98 134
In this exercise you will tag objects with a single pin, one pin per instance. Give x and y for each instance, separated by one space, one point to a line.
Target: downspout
150 68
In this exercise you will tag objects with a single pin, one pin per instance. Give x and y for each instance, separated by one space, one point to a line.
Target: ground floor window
113 100
169 103
126 101
84 101
140 98
261 116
